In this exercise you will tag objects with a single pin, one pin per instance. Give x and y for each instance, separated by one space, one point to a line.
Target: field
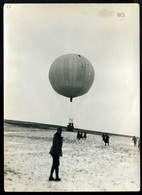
86 165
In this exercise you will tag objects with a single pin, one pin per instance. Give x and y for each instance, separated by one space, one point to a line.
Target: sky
106 34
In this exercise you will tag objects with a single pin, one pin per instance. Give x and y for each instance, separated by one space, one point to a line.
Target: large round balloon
71 75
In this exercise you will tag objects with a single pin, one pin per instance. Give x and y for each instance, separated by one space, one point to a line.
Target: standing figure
139 144
103 137
106 139
78 135
85 136
56 152
134 140
81 135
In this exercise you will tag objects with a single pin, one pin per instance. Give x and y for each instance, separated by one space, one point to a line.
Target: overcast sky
106 34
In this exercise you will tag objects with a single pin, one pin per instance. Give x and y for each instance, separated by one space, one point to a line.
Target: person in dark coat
134 140
103 137
78 135
85 136
81 135
139 144
107 139
56 152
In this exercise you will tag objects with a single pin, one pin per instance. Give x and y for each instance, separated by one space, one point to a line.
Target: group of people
56 150
105 138
70 127
80 135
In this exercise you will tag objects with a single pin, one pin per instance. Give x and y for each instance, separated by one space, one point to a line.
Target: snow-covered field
86 165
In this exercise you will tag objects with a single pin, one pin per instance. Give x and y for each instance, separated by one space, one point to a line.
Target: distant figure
139 144
85 136
78 135
81 135
134 140
106 139
56 152
103 137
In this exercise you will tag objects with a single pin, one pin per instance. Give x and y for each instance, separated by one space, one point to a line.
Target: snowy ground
86 165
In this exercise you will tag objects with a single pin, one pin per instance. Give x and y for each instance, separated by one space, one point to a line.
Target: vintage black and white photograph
71 97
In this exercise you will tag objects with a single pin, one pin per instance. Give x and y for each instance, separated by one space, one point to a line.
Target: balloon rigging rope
63 105
73 106
80 105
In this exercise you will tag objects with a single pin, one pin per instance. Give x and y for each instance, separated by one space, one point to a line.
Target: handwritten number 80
120 14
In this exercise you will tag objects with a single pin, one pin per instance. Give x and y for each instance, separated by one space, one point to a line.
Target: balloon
71 75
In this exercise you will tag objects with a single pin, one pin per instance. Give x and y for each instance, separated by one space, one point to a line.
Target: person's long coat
56 148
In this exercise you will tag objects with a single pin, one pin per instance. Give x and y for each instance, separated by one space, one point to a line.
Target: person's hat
59 129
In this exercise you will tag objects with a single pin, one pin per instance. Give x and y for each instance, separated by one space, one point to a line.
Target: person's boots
51 178
57 174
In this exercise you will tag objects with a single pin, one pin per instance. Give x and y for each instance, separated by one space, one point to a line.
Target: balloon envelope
71 75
